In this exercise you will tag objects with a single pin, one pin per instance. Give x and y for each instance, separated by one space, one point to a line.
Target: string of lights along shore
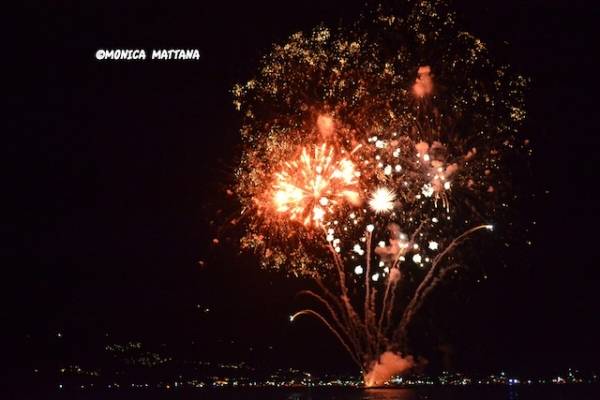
371 153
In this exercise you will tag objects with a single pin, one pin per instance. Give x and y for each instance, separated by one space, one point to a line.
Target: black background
116 167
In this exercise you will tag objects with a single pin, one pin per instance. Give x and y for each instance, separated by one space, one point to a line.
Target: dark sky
116 167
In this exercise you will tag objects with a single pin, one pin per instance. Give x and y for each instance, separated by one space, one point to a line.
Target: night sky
117 168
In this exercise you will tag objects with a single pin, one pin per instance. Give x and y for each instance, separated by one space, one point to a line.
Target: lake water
552 392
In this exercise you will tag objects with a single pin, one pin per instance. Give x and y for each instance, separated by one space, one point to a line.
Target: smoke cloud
423 84
422 148
388 365
326 126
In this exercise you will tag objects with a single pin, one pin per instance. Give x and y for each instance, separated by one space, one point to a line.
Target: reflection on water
357 394
578 392
389 394
550 392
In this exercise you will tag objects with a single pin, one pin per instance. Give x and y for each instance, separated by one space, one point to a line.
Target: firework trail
370 153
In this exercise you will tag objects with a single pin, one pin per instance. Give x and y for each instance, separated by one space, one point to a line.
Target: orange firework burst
311 187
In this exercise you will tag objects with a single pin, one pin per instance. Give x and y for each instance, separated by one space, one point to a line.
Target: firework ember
353 139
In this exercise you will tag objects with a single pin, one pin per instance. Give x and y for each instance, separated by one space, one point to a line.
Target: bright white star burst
382 200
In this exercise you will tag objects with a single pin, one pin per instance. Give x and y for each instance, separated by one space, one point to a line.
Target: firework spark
382 200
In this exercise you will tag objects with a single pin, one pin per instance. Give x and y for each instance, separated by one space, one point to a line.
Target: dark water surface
554 392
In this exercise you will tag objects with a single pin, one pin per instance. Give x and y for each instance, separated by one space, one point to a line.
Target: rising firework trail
370 154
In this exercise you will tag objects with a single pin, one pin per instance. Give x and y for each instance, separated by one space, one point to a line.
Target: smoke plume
388 365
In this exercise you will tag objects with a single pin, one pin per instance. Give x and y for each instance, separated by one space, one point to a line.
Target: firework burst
382 200
367 151
311 187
